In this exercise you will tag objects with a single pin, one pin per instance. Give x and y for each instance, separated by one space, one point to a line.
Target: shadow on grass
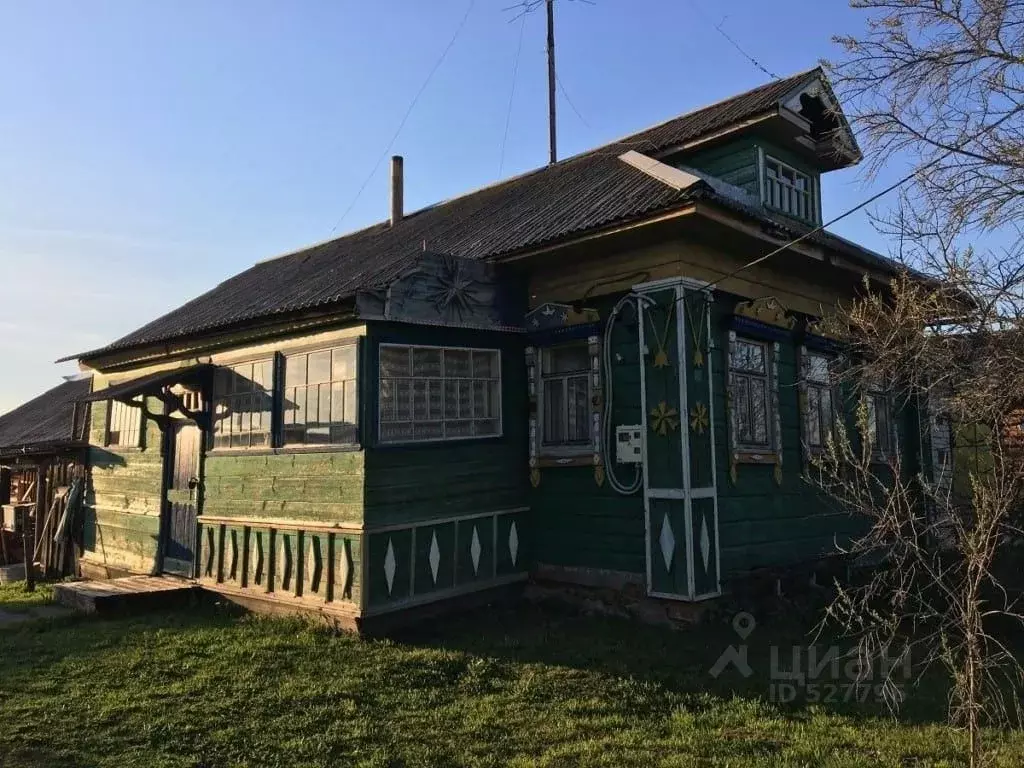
683 661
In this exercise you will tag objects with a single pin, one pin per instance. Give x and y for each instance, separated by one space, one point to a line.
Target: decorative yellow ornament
664 418
699 418
661 359
599 474
534 477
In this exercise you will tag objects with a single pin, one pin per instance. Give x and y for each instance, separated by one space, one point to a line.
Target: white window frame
444 438
806 385
565 449
883 393
111 405
770 404
218 397
306 352
812 207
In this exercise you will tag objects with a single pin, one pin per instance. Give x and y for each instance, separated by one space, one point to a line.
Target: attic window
788 190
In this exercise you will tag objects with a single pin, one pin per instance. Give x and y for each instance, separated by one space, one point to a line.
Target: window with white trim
438 393
124 424
751 399
819 409
320 401
788 190
565 397
880 428
243 397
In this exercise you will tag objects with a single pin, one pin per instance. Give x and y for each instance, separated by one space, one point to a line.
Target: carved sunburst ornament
699 418
664 418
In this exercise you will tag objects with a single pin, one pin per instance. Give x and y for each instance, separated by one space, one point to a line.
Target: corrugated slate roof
582 193
46 420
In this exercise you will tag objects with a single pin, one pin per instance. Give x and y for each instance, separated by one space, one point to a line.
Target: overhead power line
512 92
876 196
719 28
408 112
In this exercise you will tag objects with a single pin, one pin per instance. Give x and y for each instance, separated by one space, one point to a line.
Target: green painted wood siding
434 480
320 486
575 522
761 524
734 163
122 505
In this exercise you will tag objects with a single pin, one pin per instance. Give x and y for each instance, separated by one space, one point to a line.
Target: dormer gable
775 153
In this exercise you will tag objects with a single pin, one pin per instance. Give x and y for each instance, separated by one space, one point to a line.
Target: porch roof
151 384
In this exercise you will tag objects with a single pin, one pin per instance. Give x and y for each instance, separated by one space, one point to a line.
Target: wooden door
680 497
182 507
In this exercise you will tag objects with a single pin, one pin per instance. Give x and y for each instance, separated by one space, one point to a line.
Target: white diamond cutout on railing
513 542
434 557
474 550
668 542
389 566
705 541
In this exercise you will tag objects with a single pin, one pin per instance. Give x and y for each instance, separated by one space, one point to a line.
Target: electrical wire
854 209
565 93
408 112
626 489
512 94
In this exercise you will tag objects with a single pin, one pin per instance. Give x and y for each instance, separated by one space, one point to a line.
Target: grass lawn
527 685
14 598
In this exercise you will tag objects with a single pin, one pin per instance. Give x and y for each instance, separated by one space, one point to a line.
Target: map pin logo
744 624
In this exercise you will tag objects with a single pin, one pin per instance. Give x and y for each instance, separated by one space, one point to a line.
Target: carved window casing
819 400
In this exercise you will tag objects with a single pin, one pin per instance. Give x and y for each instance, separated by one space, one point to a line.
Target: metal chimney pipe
397 189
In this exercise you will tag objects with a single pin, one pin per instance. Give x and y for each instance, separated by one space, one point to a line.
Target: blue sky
150 150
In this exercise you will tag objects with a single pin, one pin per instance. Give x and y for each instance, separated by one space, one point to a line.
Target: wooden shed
43 449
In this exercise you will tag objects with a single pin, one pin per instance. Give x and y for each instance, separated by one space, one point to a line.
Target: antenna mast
551 81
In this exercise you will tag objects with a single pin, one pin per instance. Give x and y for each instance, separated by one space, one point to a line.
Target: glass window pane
451 399
485 365
295 371
435 400
567 359
741 405
403 403
759 411
814 416
300 405
351 403
872 421
426 362
420 400
388 399
343 365
325 404
554 411
465 399
817 369
457 363
579 410
394 361
319 367
263 374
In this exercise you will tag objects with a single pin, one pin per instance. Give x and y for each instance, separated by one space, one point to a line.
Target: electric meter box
629 444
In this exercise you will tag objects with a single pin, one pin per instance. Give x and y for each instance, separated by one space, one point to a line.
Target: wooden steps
125 595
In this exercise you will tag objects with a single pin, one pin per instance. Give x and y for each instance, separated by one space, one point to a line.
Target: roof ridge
539 169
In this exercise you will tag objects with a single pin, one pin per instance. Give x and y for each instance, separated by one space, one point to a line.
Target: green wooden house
565 375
